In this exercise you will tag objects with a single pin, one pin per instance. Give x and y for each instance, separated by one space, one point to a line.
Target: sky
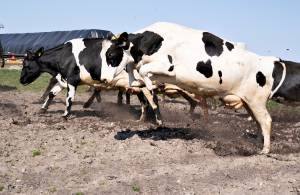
268 27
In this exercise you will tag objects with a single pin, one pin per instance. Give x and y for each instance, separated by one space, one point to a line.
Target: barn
14 45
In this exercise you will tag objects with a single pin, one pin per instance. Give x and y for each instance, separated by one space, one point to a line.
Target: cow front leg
156 70
53 92
153 101
143 102
158 117
69 100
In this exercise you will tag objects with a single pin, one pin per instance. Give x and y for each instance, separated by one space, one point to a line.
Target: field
104 150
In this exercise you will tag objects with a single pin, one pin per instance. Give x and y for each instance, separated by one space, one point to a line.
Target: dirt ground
104 150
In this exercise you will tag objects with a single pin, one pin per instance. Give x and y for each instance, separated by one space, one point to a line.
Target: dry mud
104 150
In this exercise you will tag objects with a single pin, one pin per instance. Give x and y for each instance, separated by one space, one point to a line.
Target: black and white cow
79 61
207 65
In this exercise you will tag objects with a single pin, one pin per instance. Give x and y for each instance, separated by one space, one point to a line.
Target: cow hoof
159 122
265 151
66 117
42 111
142 119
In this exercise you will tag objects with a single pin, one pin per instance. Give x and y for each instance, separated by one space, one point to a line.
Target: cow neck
137 54
49 61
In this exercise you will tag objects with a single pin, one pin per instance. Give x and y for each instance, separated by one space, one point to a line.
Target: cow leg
158 118
203 103
156 69
53 81
69 100
91 99
97 93
191 100
153 101
120 97
143 102
127 98
264 120
54 91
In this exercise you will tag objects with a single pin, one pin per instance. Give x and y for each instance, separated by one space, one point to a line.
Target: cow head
31 68
116 55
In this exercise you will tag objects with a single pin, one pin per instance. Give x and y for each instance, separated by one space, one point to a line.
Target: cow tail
281 81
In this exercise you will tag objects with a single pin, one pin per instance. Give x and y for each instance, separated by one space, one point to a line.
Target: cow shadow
242 144
159 133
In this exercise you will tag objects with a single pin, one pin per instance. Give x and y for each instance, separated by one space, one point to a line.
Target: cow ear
122 39
39 52
29 54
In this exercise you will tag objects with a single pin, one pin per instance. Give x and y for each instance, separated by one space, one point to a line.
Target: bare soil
104 150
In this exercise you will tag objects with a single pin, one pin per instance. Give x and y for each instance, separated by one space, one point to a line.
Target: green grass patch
272 105
36 152
10 79
1 188
136 188
79 193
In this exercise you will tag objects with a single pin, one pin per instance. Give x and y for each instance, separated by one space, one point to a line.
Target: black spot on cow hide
213 44
146 43
171 68
260 79
170 59
220 75
205 68
229 46
90 57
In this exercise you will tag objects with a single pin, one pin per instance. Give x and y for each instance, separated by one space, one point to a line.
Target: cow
76 62
207 65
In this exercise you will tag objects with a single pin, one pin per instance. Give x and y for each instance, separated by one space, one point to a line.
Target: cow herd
168 58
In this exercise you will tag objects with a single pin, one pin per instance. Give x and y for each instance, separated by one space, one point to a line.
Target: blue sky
268 27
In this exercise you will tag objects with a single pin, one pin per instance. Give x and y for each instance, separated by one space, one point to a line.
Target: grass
1 188
10 79
136 188
36 152
272 105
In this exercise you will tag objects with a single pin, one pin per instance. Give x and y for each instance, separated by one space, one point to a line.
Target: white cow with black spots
207 65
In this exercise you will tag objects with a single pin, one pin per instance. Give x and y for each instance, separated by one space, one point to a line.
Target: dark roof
18 43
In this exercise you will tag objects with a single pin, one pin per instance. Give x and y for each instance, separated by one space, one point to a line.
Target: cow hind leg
53 81
127 98
69 100
264 121
259 112
53 92
89 102
120 97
